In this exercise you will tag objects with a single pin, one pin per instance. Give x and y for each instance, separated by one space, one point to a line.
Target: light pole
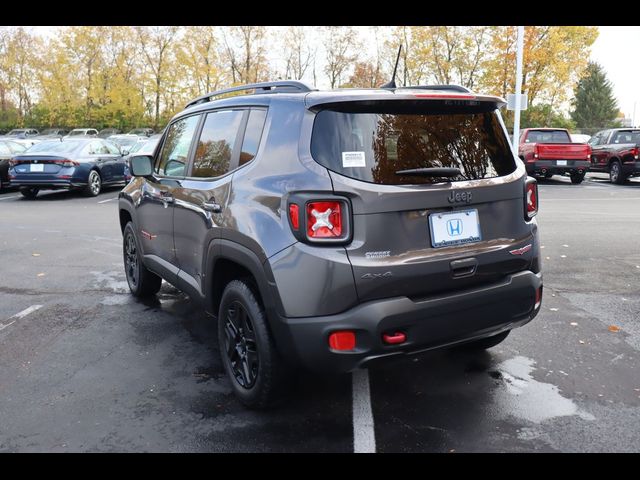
516 117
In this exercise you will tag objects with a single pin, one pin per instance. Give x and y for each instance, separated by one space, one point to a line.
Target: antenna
392 83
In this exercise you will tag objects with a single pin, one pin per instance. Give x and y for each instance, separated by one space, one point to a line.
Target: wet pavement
89 368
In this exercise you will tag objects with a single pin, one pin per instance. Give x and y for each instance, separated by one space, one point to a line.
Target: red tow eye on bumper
394 338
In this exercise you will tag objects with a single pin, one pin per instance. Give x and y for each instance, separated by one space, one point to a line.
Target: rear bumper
47 183
541 167
631 168
428 323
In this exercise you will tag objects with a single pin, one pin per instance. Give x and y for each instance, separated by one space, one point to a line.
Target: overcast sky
615 49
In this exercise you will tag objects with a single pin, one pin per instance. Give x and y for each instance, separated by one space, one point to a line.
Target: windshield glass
374 146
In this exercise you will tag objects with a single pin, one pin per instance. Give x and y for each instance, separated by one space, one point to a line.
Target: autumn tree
594 104
341 47
199 61
156 44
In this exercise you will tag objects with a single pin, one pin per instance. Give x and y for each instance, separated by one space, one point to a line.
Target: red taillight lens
342 341
324 219
294 216
634 152
66 163
538 298
530 199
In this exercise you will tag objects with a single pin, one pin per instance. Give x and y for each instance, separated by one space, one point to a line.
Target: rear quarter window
373 146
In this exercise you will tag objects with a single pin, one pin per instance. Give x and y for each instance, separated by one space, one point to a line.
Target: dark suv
332 229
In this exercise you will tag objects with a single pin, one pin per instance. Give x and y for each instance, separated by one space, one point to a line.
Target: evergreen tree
595 106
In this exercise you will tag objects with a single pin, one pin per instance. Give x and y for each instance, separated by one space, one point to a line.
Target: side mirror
124 152
141 166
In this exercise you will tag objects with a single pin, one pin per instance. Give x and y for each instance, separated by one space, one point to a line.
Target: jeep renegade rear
333 229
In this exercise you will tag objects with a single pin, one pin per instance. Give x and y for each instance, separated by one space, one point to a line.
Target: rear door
202 197
419 235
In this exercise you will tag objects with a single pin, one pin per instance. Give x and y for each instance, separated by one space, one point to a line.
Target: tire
255 369
615 173
485 343
142 282
577 178
94 184
29 192
548 175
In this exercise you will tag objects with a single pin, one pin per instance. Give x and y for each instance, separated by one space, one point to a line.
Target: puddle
520 395
111 281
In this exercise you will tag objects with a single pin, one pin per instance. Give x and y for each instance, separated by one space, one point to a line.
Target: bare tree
245 51
299 55
341 45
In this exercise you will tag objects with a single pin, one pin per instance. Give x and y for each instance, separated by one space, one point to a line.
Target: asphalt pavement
86 367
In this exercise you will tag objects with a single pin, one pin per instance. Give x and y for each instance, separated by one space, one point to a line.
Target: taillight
538 300
634 152
536 151
324 219
319 218
66 163
530 199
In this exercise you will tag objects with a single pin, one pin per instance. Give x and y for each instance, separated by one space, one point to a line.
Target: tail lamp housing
319 218
530 198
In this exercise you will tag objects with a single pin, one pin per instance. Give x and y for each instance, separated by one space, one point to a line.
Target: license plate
561 163
454 228
39 167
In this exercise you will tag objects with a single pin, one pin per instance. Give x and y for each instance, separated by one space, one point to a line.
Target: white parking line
8 198
364 439
20 315
108 200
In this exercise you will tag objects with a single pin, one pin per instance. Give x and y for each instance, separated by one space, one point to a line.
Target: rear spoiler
377 96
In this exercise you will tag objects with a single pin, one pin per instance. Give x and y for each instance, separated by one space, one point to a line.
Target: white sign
353 159
511 101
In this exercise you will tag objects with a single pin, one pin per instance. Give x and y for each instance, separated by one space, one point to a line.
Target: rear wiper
432 172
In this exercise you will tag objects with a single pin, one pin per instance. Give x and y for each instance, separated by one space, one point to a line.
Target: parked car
22 132
126 141
107 132
333 229
8 149
147 132
580 138
51 133
87 164
550 151
82 132
146 147
615 151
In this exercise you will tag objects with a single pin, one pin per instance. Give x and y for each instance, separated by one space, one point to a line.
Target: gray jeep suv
332 229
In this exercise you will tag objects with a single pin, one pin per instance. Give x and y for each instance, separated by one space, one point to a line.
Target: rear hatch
563 151
416 235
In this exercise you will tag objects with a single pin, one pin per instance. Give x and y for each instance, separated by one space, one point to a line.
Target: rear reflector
343 340
394 338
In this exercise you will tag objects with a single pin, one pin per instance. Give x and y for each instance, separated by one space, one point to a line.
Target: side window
94 148
252 135
216 143
604 138
112 149
595 139
172 160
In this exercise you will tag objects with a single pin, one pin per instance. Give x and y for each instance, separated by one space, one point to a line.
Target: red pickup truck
616 152
549 151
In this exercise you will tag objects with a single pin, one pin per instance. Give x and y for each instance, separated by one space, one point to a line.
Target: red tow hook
395 338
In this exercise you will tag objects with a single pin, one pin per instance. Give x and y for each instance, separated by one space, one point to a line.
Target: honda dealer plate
454 228
37 167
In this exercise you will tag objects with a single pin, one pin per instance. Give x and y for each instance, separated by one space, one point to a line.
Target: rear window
548 136
372 147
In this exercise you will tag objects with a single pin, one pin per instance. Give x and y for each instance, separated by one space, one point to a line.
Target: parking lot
86 367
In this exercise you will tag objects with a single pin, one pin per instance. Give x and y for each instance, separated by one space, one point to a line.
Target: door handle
212 206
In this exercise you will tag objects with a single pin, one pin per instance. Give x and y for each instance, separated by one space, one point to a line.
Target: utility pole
516 117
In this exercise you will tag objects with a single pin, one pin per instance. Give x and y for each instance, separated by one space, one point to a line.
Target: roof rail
280 86
457 88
